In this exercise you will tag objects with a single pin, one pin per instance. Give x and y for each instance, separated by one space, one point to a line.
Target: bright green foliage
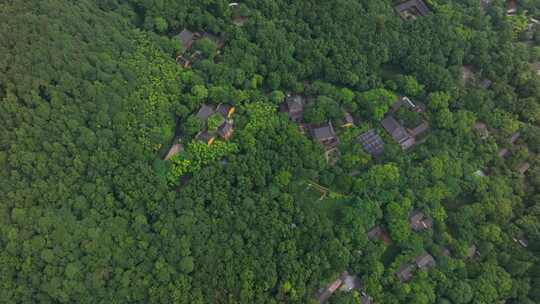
179 166
260 116
89 96
153 98
377 102
214 121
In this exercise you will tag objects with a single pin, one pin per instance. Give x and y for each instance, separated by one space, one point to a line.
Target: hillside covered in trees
270 151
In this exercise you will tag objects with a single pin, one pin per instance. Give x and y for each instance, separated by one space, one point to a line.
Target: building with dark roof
348 120
513 138
294 106
481 129
372 142
511 7
536 67
380 233
412 9
365 299
425 261
206 137
524 167
503 152
205 111
471 251
325 135
218 41
187 38
226 130
419 221
398 132
405 272
226 110
485 83
420 129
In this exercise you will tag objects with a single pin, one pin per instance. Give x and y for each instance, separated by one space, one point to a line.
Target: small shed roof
372 142
536 67
485 83
511 7
524 167
425 260
503 152
365 299
350 282
419 221
374 232
348 119
404 272
481 129
206 137
514 137
471 252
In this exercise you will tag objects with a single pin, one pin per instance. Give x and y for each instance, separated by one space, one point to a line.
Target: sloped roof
420 129
205 111
372 142
425 260
374 232
514 137
395 130
524 167
419 5
224 109
173 150
186 38
323 132
350 282
404 272
225 130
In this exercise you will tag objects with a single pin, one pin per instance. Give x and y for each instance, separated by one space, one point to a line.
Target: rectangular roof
419 5
205 111
372 142
425 260
187 38
323 132
395 130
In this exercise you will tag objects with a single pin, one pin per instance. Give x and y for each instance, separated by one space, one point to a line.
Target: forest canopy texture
257 203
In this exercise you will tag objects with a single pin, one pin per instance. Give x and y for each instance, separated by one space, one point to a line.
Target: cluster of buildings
347 283
187 38
224 113
482 131
405 137
323 133
402 135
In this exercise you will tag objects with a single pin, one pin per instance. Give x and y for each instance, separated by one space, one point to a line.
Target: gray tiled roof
372 142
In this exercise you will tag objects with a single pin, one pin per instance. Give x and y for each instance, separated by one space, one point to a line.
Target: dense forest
270 151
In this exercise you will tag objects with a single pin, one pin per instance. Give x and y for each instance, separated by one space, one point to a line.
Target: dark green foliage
90 94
